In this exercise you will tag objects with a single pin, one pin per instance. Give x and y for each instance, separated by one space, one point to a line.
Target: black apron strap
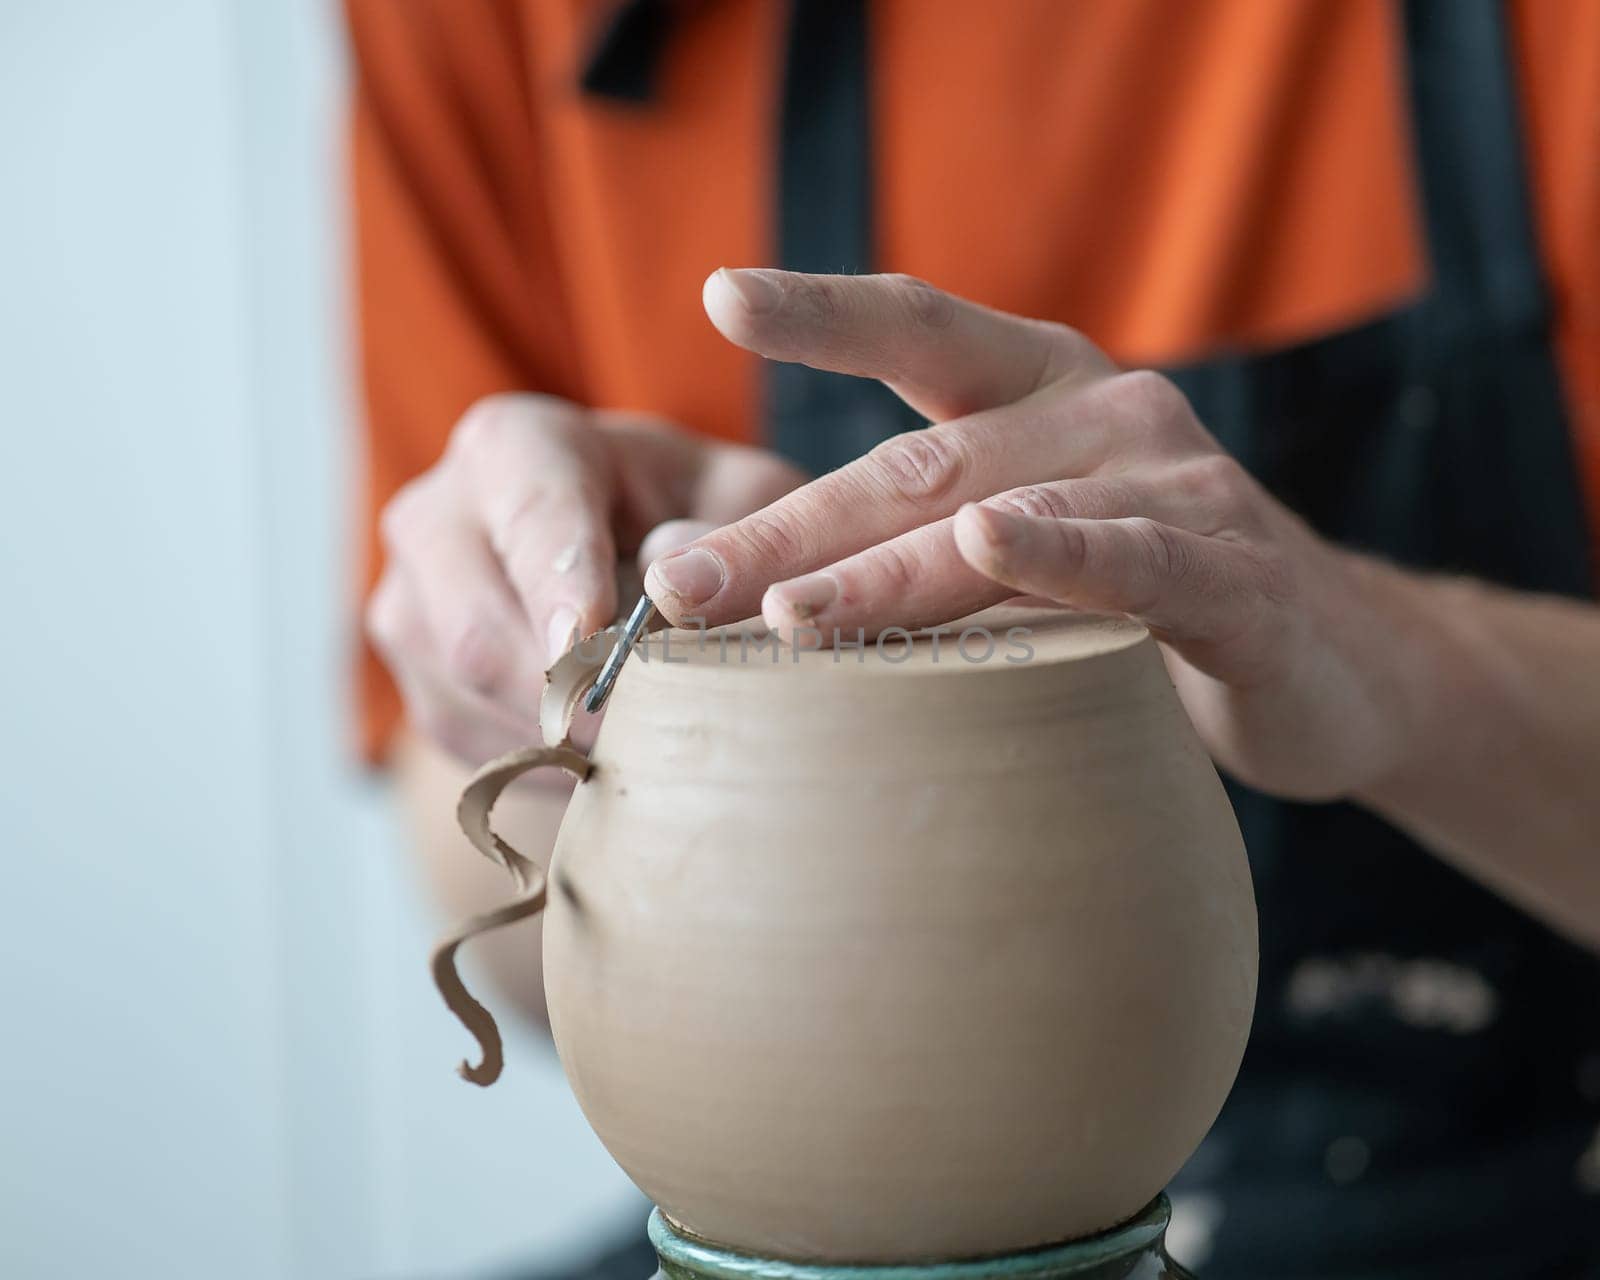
825 208
825 217
628 50
1470 159
1437 435
1510 504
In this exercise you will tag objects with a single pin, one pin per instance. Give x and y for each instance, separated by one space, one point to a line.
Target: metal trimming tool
637 621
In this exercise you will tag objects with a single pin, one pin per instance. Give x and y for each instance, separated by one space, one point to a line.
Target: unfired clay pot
858 959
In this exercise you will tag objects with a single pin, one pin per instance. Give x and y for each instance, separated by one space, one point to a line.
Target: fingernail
805 598
563 630
692 576
757 289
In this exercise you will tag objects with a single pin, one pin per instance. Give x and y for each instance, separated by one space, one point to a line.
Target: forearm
1500 767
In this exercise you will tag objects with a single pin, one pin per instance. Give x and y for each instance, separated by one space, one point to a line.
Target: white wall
219 1051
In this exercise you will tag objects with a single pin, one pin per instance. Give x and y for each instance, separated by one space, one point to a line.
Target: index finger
943 355
542 487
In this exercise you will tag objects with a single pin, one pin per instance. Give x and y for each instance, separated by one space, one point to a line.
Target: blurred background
222 1053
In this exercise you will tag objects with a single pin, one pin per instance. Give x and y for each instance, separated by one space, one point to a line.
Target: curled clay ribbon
477 801
566 683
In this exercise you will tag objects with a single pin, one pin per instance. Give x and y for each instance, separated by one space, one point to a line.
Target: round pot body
900 954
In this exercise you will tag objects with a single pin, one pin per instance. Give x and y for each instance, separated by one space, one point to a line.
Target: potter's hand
1052 473
509 546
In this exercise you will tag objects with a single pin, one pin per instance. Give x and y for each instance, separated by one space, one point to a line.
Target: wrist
1423 646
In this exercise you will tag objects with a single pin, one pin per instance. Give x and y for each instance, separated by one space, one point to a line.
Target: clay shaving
476 804
569 680
566 683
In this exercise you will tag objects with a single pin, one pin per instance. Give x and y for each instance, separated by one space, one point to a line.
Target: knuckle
486 427
384 617
1216 480
895 571
405 512
1075 340
761 539
820 298
1072 544
1034 500
1066 554
1152 400
482 426
1167 556
1278 583
581 549
927 306
532 564
509 526
922 465
1069 358
541 510
1071 345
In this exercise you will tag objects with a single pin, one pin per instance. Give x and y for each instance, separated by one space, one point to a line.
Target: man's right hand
508 547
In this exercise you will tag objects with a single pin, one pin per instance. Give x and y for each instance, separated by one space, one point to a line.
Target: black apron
1421 1094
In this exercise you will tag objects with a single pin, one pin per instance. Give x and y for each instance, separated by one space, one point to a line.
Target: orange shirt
1173 179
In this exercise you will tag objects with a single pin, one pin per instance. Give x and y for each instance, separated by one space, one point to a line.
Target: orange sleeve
458 292
1558 53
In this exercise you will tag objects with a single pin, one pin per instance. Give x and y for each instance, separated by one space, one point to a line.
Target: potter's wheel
1133 1251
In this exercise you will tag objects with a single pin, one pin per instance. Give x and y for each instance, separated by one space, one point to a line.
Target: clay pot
851 958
